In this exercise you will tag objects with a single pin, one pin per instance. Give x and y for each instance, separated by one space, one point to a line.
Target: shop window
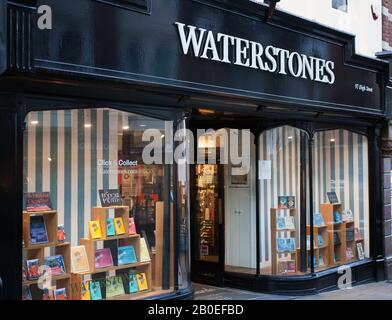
340 5
123 252
283 248
341 198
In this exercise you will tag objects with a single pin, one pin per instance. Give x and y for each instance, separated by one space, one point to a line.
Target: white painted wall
358 20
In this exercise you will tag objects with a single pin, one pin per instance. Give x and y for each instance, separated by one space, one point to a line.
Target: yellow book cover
95 230
119 226
142 281
86 291
79 261
144 253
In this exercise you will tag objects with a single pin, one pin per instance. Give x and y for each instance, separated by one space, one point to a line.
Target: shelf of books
114 262
283 241
47 257
345 241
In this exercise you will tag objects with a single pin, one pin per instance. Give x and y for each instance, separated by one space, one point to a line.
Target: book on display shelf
60 294
119 226
95 290
285 245
132 226
114 287
55 265
349 254
110 230
38 201
38 231
32 267
79 260
360 251
348 216
60 233
95 230
48 293
337 217
286 202
318 220
142 281
320 240
103 258
126 255
133 287
144 252
85 291
285 223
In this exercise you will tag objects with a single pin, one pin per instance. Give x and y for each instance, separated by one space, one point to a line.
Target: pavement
371 291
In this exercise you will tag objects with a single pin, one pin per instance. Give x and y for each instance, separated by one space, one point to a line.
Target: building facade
76 101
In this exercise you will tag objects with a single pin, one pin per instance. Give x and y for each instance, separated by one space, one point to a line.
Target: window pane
280 208
341 203
73 154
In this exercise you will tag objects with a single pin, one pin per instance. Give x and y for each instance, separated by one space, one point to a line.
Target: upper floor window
340 5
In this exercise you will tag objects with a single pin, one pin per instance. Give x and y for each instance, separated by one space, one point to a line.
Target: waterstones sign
224 48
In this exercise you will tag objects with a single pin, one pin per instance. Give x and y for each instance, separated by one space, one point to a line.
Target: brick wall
387 24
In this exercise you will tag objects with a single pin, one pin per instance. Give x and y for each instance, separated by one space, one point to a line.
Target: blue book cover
95 290
290 244
110 231
281 223
320 240
318 220
38 233
337 217
281 244
126 255
133 288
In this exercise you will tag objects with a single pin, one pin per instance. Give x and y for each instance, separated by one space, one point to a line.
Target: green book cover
114 287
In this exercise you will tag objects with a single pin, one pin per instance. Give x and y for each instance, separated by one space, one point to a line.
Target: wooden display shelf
46 245
115 268
100 214
38 213
53 278
274 251
120 237
50 220
133 296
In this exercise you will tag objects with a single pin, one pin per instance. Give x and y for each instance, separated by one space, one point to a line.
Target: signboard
38 201
110 197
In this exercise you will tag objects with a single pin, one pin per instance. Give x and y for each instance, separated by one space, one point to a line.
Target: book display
40 232
283 241
343 237
320 244
103 267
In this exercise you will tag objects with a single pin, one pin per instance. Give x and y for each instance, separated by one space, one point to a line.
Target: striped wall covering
60 156
340 165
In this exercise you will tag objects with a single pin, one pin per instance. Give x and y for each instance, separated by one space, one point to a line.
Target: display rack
337 250
320 251
101 274
278 256
38 251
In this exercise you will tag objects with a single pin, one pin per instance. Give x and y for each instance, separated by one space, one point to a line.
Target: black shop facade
77 99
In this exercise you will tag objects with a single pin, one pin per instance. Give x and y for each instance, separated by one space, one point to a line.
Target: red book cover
132 226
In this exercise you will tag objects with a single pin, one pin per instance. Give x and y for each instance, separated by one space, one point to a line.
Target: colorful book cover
119 226
144 253
349 216
60 294
38 232
133 287
291 266
318 220
110 230
337 218
286 202
60 233
79 261
349 253
95 290
126 255
142 281
281 244
26 293
85 291
95 230
320 240
114 287
281 223
56 265
48 293
38 201
32 267
132 226
103 258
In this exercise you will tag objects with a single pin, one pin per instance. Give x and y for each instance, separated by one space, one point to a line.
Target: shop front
78 99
